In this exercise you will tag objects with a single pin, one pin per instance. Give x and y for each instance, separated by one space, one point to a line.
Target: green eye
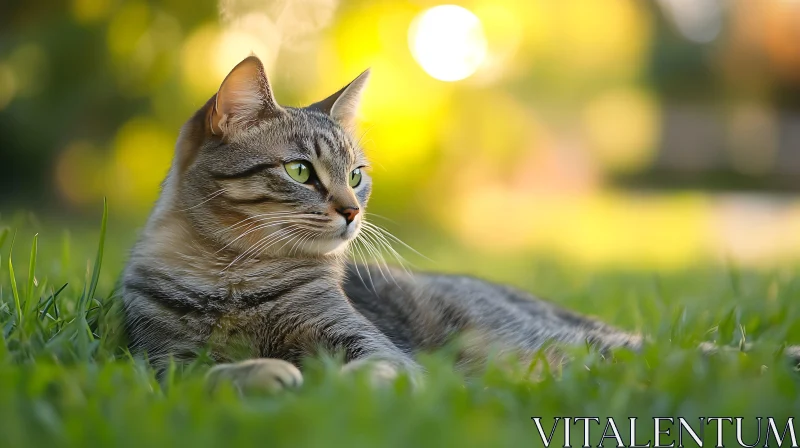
299 171
355 177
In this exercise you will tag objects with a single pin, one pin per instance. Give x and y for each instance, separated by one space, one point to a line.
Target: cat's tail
606 342
791 352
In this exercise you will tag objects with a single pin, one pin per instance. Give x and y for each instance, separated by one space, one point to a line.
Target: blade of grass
98 259
3 348
51 301
3 236
14 291
83 330
29 292
84 335
678 322
727 327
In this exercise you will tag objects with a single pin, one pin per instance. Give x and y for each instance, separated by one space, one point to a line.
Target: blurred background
638 133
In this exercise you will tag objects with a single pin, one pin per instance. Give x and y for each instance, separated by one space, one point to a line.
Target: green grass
66 378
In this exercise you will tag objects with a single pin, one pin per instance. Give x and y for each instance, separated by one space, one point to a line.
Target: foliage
66 378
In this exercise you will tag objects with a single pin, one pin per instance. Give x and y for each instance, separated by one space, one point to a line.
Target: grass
66 378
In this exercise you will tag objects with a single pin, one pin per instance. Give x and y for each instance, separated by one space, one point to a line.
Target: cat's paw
254 376
380 373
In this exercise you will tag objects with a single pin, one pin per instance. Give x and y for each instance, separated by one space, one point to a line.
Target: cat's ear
243 98
342 106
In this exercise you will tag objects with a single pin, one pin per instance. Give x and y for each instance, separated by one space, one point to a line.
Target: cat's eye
299 171
355 178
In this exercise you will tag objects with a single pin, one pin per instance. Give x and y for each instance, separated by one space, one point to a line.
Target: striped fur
237 255
236 252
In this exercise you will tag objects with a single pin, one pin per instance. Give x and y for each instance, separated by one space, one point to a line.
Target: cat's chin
328 246
335 243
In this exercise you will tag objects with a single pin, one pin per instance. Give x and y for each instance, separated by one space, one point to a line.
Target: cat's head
257 178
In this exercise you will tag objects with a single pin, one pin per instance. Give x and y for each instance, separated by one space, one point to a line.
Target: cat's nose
349 213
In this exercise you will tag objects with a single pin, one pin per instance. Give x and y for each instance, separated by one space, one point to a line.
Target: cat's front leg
381 360
367 349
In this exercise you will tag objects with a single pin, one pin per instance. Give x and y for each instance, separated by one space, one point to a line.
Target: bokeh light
697 20
87 11
7 85
30 69
141 158
622 128
753 139
79 173
448 42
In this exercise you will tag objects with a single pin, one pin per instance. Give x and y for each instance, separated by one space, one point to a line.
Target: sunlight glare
448 42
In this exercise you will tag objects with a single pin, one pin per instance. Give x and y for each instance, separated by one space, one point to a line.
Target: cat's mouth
349 232
334 240
343 230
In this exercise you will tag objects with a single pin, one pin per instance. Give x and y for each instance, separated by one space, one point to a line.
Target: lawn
66 378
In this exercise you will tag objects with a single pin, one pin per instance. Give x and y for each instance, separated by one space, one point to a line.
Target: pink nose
349 213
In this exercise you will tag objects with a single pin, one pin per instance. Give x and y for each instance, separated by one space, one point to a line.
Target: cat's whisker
375 252
370 214
378 233
280 219
256 249
307 241
291 237
394 238
272 215
240 256
364 258
297 242
378 246
364 134
253 218
206 199
388 246
264 217
259 245
249 222
363 252
303 237
264 225
350 249
382 242
299 245
285 237
254 229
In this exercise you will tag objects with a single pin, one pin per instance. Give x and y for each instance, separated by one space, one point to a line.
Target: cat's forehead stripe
317 149
329 146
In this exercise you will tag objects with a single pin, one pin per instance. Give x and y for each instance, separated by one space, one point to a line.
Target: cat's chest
262 289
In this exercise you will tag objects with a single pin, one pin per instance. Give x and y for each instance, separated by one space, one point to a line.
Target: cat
245 249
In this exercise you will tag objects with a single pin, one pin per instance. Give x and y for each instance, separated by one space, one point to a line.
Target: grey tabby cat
246 243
